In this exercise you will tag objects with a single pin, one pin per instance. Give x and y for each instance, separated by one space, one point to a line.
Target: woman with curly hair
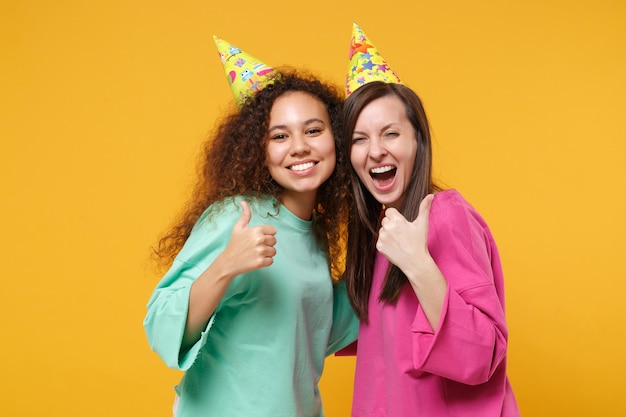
249 307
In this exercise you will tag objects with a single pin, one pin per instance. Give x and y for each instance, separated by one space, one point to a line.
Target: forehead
297 102
383 110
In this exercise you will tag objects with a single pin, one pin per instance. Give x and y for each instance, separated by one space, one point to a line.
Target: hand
250 248
404 243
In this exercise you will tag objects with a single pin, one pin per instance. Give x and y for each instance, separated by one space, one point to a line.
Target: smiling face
383 149
300 152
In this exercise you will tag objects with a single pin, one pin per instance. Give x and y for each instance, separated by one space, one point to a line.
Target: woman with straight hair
422 271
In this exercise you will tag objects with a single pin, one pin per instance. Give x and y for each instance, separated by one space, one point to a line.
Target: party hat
366 64
246 74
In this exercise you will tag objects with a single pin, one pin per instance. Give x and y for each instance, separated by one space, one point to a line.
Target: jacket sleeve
166 317
471 340
345 326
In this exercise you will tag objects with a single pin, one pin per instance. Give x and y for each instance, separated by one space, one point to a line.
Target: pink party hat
366 64
246 74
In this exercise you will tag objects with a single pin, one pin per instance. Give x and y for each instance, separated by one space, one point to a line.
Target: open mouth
302 167
384 175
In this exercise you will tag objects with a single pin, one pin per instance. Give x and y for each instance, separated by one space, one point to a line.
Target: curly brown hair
232 163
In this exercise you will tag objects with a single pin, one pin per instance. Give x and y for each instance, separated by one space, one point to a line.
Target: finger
267 256
391 212
379 245
270 240
267 261
425 205
384 221
268 230
261 239
243 221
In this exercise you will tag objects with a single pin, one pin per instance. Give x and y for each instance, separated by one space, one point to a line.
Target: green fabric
263 350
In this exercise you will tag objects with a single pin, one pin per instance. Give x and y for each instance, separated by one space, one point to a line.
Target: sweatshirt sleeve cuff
187 358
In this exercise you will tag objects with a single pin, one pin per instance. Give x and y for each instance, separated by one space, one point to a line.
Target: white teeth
301 167
380 170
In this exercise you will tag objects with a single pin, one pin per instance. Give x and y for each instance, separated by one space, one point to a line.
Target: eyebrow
306 123
385 127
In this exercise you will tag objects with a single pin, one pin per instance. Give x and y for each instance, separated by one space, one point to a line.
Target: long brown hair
365 211
233 163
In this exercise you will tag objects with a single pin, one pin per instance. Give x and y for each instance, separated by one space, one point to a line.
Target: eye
279 136
358 139
314 131
391 134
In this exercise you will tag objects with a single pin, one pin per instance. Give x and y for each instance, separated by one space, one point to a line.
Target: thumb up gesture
402 242
250 248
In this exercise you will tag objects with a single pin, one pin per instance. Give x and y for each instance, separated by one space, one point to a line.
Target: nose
377 149
299 145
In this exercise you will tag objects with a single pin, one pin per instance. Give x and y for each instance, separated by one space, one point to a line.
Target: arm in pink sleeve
471 339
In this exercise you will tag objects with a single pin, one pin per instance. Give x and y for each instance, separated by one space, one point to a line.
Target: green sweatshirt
262 352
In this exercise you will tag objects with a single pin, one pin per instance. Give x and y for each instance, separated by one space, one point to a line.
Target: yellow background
103 106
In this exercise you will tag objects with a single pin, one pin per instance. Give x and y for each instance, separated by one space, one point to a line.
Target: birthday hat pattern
246 75
366 64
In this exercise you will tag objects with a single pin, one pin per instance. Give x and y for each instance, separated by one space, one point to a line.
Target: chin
386 200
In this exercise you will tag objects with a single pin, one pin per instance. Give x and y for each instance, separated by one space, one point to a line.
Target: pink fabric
403 367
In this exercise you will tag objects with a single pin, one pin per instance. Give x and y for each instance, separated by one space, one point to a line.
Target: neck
300 204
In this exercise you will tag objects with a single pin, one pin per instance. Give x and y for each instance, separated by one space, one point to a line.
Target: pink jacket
403 367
